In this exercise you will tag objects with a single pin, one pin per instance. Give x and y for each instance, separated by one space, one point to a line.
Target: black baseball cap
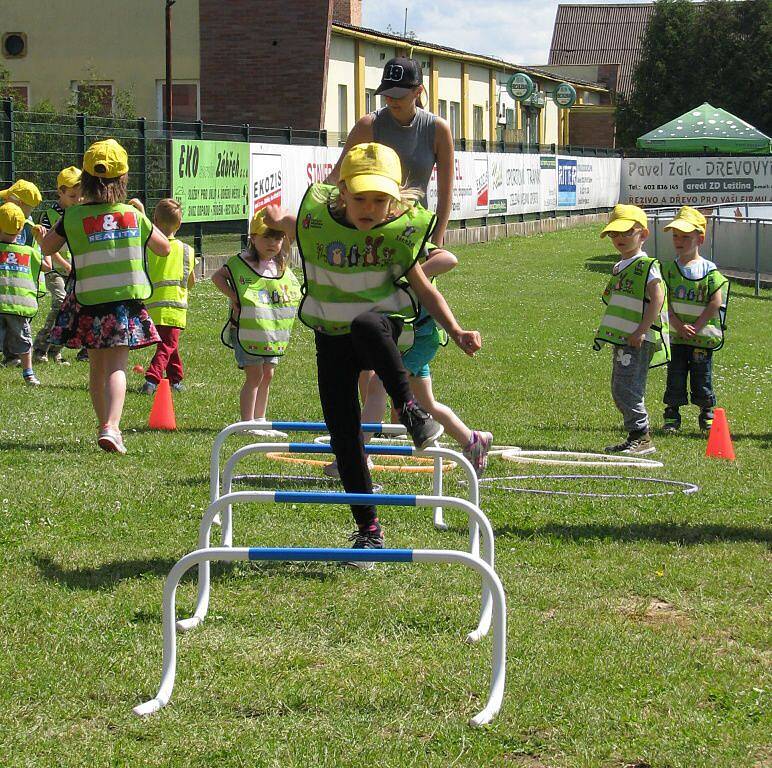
400 76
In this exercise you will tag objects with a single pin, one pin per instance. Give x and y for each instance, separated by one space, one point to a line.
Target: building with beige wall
224 73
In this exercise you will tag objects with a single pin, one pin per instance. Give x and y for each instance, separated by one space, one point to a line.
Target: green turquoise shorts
418 357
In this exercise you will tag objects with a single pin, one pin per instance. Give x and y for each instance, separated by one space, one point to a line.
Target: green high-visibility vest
54 216
688 298
107 242
625 299
347 271
19 273
268 308
169 274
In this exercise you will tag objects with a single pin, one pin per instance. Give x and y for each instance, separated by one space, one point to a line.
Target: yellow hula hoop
447 465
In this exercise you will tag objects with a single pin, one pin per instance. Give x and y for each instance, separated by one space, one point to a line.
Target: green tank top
347 271
268 309
625 299
688 298
19 274
107 243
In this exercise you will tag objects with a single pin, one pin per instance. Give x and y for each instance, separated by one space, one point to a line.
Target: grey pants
55 285
628 384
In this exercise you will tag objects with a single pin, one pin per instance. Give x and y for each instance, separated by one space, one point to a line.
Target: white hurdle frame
310 426
490 580
481 535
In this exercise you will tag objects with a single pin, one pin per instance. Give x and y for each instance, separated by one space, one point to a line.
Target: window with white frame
442 108
455 119
370 103
95 98
342 110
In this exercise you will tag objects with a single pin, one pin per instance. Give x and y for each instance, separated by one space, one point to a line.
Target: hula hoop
577 459
305 479
496 450
682 487
407 468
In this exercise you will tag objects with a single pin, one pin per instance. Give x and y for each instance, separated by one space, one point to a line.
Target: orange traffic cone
719 440
162 412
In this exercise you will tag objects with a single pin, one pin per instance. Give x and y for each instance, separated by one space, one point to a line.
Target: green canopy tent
707 129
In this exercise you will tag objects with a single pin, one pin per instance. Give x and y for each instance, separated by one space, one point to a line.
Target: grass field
639 629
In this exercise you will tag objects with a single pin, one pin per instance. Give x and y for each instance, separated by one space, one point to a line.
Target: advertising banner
210 178
661 181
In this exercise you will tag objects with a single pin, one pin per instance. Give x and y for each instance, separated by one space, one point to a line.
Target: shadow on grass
72 387
665 533
601 263
185 430
108 575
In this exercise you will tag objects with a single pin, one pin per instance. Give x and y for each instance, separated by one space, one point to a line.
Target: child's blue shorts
418 357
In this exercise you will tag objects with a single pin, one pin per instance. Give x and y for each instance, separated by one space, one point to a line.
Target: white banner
655 181
495 184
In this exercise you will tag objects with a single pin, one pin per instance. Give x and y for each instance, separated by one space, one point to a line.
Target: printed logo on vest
311 222
407 236
14 262
111 226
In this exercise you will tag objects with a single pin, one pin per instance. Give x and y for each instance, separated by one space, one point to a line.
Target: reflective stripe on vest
625 299
169 303
19 274
348 272
268 308
107 243
688 298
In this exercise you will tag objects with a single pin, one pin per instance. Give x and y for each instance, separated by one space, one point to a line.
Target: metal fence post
757 286
289 134
80 120
142 128
198 234
8 109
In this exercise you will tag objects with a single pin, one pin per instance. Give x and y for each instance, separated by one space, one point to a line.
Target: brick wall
264 62
347 11
592 128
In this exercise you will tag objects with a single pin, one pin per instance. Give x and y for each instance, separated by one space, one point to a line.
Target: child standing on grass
172 277
20 267
26 196
635 324
357 241
428 339
104 313
68 191
697 307
264 296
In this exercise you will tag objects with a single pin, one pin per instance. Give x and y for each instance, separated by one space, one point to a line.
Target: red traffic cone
162 412
719 440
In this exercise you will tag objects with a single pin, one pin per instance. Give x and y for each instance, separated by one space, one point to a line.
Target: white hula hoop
577 459
680 487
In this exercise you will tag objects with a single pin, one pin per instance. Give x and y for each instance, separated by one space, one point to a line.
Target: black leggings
371 345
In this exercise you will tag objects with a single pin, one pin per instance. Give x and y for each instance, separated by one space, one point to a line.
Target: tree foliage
716 51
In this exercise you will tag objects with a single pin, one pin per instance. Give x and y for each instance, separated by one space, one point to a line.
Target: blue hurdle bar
490 580
478 524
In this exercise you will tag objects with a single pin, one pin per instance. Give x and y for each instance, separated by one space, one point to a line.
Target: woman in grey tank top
420 138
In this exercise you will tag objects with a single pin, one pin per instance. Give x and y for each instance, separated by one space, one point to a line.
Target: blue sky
519 31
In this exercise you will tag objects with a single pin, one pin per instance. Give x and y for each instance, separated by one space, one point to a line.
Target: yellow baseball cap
257 225
12 219
24 191
624 218
372 168
106 159
688 220
68 177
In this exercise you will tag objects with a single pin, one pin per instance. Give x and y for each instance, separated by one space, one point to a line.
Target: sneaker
477 450
12 362
671 420
111 440
178 386
705 419
633 446
39 357
59 360
32 380
424 430
148 388
82 356
366 540
331 469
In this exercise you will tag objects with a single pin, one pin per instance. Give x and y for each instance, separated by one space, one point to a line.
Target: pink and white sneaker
111 440
477 450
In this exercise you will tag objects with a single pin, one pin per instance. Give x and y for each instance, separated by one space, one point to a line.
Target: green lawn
638 628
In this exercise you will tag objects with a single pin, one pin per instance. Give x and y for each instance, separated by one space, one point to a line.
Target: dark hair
418 102
98 190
